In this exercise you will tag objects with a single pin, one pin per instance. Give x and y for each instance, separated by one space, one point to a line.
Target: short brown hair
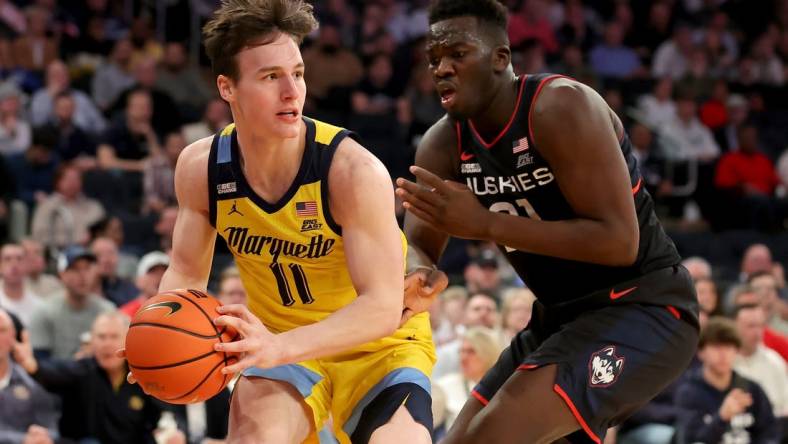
239 24
719 331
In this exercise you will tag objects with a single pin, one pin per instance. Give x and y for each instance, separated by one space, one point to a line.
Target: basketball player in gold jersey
309 216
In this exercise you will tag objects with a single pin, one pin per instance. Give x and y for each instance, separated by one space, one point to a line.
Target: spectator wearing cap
721 405
64 217
99 404
15 131
58 328
28 413
758 362
118 290
149 273
42 284
14 295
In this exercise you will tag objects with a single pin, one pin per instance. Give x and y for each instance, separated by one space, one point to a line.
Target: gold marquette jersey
290 253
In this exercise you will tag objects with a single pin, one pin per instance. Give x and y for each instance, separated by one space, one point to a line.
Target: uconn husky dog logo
605 367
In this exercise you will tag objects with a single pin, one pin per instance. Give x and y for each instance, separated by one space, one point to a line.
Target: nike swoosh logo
173 306
465 156
615 295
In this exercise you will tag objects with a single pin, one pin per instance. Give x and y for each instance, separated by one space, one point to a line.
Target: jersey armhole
325 167
213 172
542 84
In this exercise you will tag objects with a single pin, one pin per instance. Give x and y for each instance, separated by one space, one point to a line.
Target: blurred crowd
98 98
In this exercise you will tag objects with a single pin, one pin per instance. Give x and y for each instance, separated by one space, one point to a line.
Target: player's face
270 91
461 65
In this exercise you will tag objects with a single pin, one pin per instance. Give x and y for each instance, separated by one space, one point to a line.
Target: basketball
169 347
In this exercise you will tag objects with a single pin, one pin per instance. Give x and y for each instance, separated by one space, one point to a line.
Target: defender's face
461 65
270 90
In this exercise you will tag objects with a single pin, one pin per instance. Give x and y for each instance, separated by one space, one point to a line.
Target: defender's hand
258 347
446 205
422 286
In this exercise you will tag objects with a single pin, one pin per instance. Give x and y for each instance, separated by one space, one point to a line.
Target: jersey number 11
299 277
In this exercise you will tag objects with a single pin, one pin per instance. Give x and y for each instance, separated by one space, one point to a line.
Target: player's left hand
446 205
258 347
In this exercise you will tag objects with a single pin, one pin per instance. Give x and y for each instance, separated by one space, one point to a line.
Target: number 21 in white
507 207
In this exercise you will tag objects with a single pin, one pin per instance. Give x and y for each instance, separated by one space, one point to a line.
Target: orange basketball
169 347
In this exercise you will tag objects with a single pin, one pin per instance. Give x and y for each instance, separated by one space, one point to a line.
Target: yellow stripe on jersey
291 261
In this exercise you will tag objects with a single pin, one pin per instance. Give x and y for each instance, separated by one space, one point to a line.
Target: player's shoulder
354 165
564 94
438 149
191 172
441 134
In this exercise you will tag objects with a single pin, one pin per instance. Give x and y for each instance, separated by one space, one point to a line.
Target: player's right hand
122 354
422 286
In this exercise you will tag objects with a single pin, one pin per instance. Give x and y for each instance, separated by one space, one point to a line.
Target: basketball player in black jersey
541 166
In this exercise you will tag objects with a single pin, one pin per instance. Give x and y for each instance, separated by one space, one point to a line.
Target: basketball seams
199 384
175 364
172 327
218 333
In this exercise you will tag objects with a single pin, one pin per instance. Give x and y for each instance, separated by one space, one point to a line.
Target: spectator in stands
573 65
576 30
111 227
114 76
143 41
58 328
63 218
149 272
376 95
40 283
421 105
758 362
333 70
180 80
652 166
714 112
698 267
129 141
34 170
764 284
446 314
697 78
611 59
482 274
480 311
531 22
118 290
647 38
214 119
15 296
28 414
99 405
478 352
721 60
42 106
165 226
749 179
758 257
165 113
34 49
671 58
73 144
231 289
708 297
684 137
767 69
658 108
159 174
722 405
515 311
15 132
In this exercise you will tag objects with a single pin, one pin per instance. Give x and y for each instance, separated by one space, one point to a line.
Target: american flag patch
520 145
306 209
